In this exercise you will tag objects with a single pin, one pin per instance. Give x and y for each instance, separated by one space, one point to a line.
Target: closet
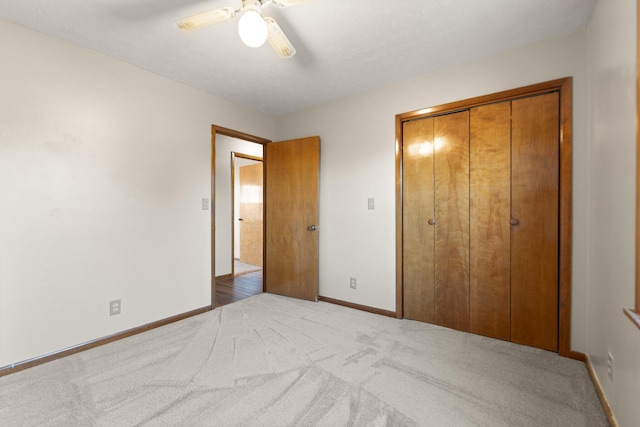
480 219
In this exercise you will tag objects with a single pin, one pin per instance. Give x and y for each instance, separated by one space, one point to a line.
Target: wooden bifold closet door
490 212
480 220
437 147
534 211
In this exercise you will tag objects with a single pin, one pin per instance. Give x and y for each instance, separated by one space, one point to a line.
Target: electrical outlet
115 307
610 366
352 283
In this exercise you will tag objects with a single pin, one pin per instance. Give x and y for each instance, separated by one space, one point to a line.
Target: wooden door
490 210
250 214
534 212
292 171
418 213
436 220
451 154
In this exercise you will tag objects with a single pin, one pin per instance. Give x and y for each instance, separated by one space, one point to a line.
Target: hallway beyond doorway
237 288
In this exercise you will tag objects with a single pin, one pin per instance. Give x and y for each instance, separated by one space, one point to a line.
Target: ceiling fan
254 29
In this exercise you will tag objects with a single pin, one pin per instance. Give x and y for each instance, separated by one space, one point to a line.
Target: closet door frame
564 88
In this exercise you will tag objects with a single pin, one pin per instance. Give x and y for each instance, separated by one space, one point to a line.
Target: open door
250 215
292 172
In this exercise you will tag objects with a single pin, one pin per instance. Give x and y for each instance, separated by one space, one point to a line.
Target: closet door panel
534 235
418 209
451 145
490 209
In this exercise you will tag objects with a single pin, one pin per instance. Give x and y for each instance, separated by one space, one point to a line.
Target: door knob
313 227
514 221
240 219
431 221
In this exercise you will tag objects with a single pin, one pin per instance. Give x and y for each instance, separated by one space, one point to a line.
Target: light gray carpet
275 361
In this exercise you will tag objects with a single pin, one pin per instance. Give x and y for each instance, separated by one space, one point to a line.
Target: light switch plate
372 203
205 204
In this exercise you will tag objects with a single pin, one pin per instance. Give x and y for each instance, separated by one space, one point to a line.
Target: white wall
102 170
358 154
224 147
611 207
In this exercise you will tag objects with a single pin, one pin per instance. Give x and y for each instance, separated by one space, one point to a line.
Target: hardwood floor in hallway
237 288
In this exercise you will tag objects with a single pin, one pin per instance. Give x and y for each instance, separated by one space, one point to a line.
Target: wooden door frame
219 130
634 313
233 202
564 87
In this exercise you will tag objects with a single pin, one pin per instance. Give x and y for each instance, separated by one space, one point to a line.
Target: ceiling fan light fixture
252 28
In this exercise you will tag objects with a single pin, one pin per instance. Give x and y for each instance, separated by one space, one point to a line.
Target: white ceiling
343 46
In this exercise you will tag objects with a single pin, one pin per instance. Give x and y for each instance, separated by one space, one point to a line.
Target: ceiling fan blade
278 41
206 18
287 3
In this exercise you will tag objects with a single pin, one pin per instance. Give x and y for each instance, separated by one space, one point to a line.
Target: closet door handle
432 221
514 221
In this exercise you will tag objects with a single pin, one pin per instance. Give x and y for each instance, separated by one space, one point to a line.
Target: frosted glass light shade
252 29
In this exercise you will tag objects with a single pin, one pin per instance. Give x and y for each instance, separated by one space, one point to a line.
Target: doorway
232 281
291 214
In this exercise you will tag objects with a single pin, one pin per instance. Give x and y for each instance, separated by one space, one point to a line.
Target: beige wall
611 204
102 170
